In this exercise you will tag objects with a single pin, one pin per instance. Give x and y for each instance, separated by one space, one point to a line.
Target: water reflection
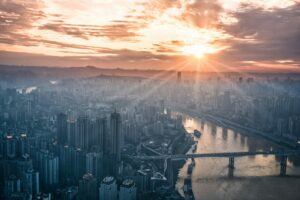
209 173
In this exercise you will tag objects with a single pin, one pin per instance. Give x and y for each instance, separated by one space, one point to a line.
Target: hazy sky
210 35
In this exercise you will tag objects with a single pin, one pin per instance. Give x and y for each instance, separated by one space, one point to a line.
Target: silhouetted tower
71 132
115 126
178 77
62 128
101 134
82 132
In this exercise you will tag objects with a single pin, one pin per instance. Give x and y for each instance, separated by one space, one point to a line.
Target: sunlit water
209 175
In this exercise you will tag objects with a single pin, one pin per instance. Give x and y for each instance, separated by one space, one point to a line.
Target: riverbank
183 143
243 129
250 131
253 175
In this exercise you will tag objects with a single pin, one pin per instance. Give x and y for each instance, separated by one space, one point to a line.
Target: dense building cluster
271 106
51 150
77 138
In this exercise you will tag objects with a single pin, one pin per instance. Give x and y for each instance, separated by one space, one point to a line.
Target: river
255 177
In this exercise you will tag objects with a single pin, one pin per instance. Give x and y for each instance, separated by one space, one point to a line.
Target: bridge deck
219 155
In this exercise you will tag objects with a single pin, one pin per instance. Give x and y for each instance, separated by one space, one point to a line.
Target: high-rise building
78 160
94 164
87 187
2 144
48 168
115 126
71 132
65 163
10 147
82 132
31 182
158 180
158 128
169 173
108 189
161 105
178 77
11 185
69 193
91 136
128 190
178 121
294 127
130 132
62 128
23 145
15 166
101 134
143 180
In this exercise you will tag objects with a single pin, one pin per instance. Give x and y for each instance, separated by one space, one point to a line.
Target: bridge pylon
283 163
231 167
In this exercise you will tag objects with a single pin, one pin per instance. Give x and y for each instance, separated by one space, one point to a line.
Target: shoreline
242 129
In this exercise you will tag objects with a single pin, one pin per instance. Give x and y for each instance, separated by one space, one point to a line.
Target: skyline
215 36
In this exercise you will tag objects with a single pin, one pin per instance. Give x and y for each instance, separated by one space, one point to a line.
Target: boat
191 166
197 133
193 162
194 148
190 169
187 189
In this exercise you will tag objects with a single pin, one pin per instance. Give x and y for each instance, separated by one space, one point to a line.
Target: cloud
168 47
17 15
203 14
122 58
199 13
145 32
265 36
115 30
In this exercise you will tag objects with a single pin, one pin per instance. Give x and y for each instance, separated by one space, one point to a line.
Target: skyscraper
128 190
78 160
101 134
87 187
82 132
115 127
12 185
71 132
23 146
94 164
178 77
65 163
143 177
49 169
62 128
108 189
10 150
31 182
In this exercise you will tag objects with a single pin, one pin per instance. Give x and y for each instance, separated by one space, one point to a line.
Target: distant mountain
20 72
11 73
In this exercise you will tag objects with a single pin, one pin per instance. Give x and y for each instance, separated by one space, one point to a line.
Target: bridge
231 155
218 155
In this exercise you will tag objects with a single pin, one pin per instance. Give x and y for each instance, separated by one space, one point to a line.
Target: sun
199 50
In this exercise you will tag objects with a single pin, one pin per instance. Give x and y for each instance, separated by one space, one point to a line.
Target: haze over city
149 100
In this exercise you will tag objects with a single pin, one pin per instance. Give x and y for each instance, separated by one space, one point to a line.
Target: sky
208 35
